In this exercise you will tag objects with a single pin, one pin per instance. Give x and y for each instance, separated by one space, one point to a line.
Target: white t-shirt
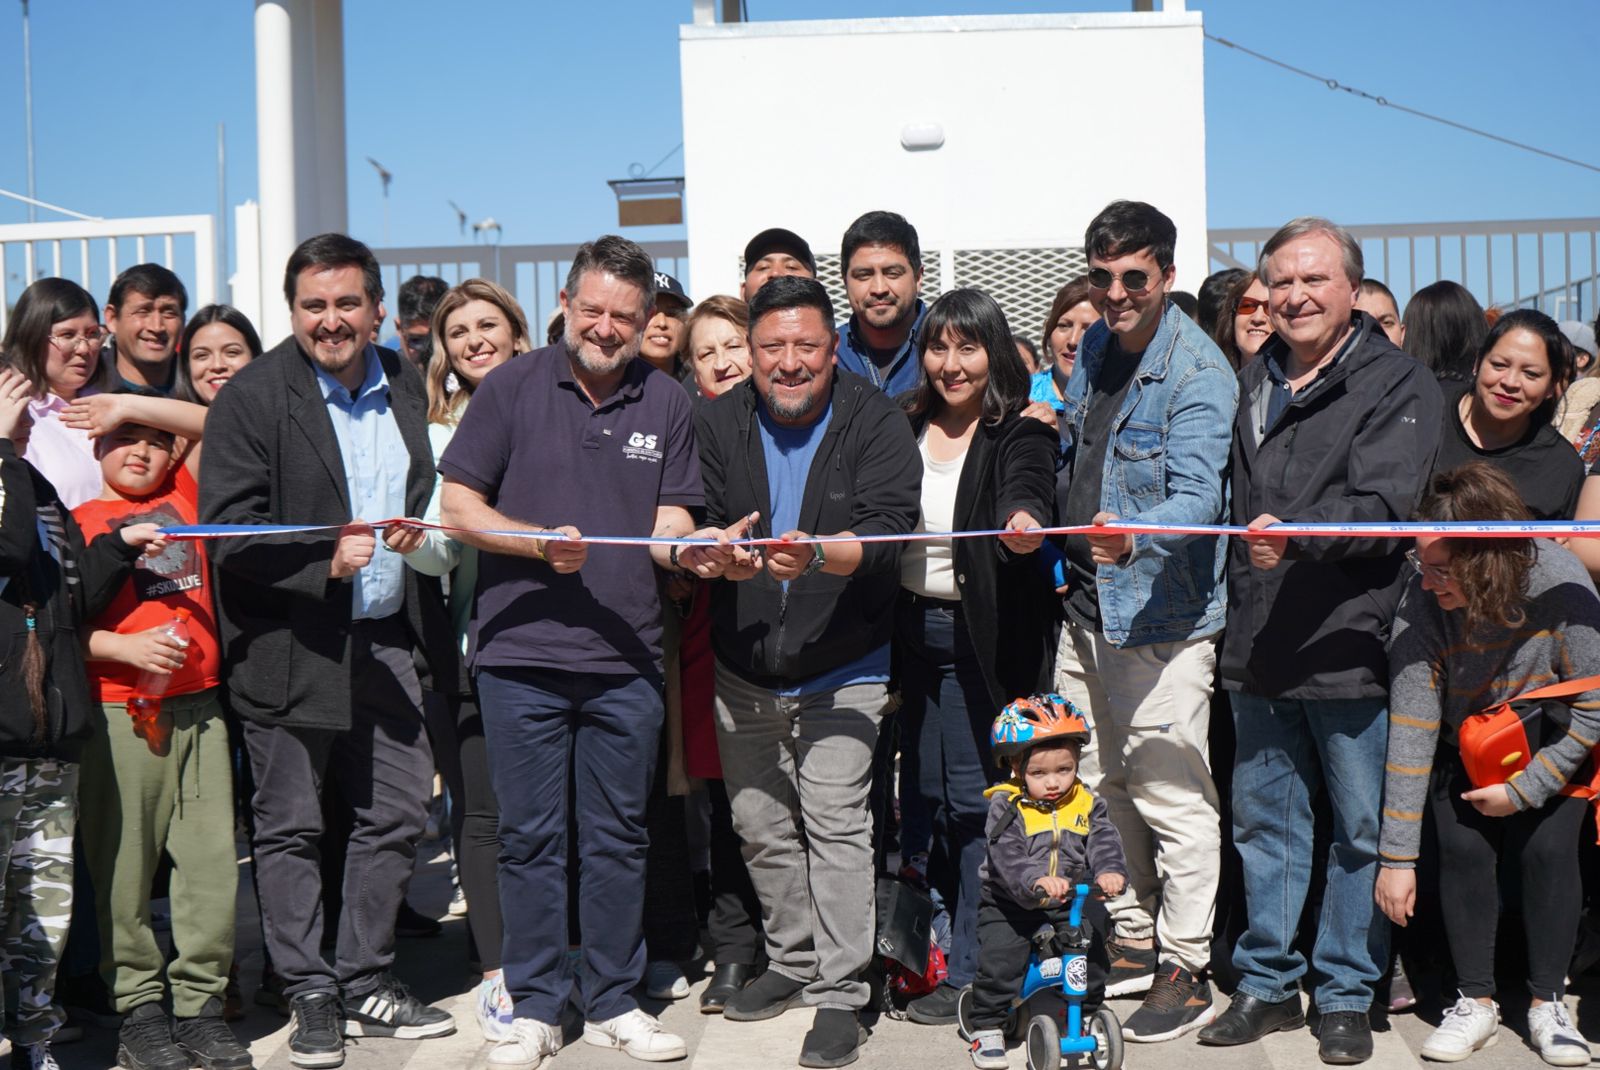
928 566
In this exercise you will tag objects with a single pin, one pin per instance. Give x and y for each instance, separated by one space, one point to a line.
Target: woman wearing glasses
1503 415
53 338
1245 328
1483 621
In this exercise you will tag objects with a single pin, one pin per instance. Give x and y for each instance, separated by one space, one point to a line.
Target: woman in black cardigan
973 626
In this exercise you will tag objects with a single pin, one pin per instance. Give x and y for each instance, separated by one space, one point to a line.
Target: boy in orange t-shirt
166 787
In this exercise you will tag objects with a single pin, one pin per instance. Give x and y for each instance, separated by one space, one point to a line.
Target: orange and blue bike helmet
1032 720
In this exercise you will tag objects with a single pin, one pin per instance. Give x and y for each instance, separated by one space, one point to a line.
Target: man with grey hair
566 638
1335 425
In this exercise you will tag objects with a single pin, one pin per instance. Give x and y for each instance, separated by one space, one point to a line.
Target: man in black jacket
802 644
1335 425
319 633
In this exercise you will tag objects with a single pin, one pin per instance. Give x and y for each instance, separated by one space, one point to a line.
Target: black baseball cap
778 240
672 289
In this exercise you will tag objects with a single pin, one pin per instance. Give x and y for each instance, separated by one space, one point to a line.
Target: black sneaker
1178 1003
315 1039
835 1039
1132 969
207 1038
938 1007
388 1010
145 1041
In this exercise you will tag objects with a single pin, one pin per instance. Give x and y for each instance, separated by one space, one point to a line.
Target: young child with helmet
1045 828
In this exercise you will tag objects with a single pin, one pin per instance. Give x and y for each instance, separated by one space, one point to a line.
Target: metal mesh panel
1024 281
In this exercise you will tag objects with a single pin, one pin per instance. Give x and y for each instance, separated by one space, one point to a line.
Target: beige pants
1149 758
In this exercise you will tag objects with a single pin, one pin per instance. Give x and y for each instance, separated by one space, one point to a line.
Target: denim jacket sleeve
1199 435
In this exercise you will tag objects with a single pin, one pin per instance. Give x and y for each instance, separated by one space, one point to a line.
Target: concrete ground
436 969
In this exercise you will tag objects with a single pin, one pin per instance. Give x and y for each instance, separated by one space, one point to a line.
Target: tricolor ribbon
1495 529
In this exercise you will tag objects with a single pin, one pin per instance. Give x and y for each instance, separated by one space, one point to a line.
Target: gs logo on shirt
642 447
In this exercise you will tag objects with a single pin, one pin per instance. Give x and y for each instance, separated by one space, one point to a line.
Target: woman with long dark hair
972 628
1444 329
1484 620
216 343
1502 415
53 338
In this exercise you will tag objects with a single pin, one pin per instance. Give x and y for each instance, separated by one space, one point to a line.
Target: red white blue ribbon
1497 529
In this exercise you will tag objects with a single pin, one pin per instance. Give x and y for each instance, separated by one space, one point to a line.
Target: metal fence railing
534 274
1548 264
92 252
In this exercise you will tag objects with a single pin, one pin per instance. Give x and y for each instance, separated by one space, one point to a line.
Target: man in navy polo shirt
566 638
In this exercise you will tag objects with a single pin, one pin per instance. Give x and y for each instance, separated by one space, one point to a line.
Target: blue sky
523 109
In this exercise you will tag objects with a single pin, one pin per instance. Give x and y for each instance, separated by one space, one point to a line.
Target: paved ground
437 971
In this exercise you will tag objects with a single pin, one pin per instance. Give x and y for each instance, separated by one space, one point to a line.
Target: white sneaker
530 1041
1466 1028
665 980
1558 1040
458 904
637 1034
494 1008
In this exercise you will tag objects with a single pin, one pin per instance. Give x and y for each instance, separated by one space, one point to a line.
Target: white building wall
1045 119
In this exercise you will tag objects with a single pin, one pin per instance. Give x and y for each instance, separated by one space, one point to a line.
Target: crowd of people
796 685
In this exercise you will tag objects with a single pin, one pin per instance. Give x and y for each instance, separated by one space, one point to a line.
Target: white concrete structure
300 147
1039 121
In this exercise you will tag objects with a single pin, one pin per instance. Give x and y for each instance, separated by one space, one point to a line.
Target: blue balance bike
1059 963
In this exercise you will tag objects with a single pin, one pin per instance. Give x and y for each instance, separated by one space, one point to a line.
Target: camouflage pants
38 810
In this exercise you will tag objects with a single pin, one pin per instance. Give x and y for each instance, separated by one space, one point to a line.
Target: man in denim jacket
1146 433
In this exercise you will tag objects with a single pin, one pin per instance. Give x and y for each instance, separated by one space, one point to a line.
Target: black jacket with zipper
63 598
272 458
866 478
1356 446
1008 606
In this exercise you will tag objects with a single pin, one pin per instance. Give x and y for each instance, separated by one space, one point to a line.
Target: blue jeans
946 713
1286 748
533 720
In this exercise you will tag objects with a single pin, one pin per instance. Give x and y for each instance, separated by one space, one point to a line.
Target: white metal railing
91 253
534 274
1548 264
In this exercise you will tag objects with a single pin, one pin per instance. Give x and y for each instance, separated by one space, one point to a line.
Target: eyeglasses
1135 281
1427 571
1248 306
70 339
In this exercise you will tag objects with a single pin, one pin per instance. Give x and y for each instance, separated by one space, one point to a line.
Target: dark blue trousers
945 717
533 720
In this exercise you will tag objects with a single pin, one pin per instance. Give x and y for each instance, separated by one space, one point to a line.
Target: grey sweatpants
798 770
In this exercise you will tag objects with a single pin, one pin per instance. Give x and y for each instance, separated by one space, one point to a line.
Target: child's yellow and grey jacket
1033 838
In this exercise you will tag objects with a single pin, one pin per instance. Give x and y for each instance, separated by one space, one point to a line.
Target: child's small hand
1111 883
98 414
152 650
146 536
1054 887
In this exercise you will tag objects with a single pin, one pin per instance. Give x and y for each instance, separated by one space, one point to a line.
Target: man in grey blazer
319 634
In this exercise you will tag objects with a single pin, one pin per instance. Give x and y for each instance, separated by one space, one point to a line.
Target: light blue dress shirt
375 465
